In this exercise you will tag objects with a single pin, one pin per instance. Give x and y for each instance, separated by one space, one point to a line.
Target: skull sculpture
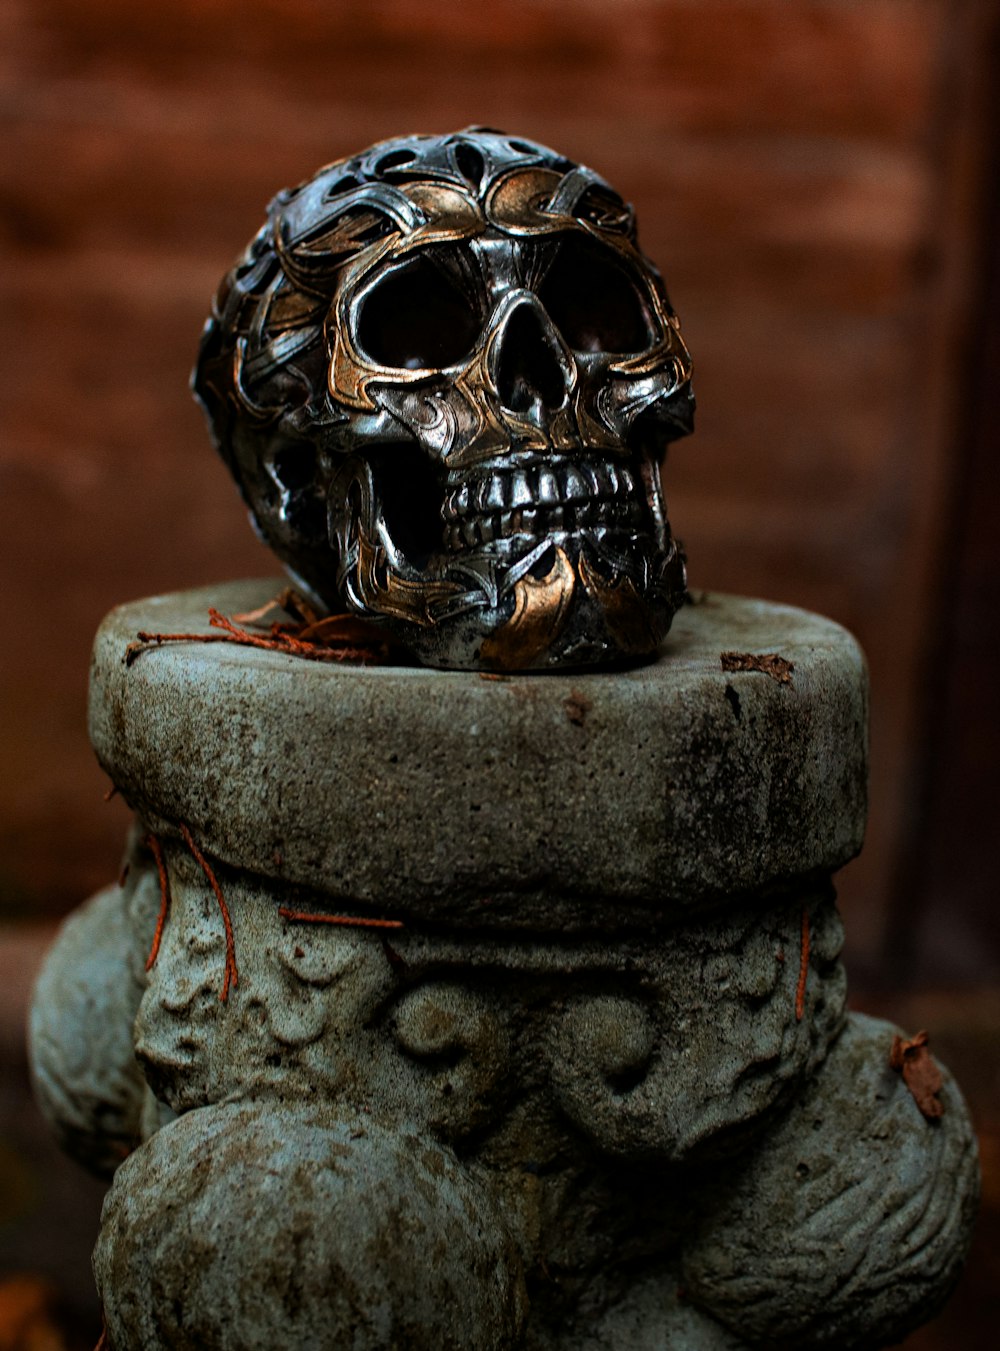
444 376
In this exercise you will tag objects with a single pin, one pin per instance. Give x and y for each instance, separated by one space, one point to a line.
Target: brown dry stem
232 975
156 849
355 921
343 638
804 945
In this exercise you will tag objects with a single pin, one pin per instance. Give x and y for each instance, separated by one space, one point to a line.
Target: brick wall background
815 180
809 177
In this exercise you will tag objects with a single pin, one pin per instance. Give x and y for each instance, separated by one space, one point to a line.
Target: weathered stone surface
440 793
596 1092
84 1070
855 1203
272 1224
643 1048
653 1315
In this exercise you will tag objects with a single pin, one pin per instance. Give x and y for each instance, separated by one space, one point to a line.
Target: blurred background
818 183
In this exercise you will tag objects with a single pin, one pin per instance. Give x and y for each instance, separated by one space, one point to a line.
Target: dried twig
290 601
800 992
355 921
232 976
156 849
316 638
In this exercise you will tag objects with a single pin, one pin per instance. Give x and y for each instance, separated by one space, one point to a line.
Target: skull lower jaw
520 582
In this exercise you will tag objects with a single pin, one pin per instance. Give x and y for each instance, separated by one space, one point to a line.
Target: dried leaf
767 663
921 1073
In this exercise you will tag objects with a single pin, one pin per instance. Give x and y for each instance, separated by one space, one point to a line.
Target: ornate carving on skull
443 375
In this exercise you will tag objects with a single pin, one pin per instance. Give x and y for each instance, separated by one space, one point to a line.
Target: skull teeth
547 490
576 489
520 490
600 514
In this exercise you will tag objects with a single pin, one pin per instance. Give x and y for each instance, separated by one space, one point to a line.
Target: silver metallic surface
444 375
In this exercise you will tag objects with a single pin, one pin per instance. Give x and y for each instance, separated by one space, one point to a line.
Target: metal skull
444 375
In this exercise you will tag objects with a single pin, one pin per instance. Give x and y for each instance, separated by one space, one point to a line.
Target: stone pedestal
492 1012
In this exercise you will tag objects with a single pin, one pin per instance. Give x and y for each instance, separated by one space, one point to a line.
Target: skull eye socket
594 303
417 318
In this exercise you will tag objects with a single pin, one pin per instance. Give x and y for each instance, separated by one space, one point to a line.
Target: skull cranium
444 375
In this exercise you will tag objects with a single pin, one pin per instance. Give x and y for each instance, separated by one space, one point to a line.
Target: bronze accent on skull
444 377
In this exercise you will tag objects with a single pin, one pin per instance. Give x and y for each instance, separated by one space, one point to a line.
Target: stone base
446 794
576 1071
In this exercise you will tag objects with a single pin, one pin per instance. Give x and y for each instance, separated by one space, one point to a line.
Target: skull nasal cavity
529 372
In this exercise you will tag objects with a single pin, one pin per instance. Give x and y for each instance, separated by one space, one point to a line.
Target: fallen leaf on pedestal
921 1073
766 663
